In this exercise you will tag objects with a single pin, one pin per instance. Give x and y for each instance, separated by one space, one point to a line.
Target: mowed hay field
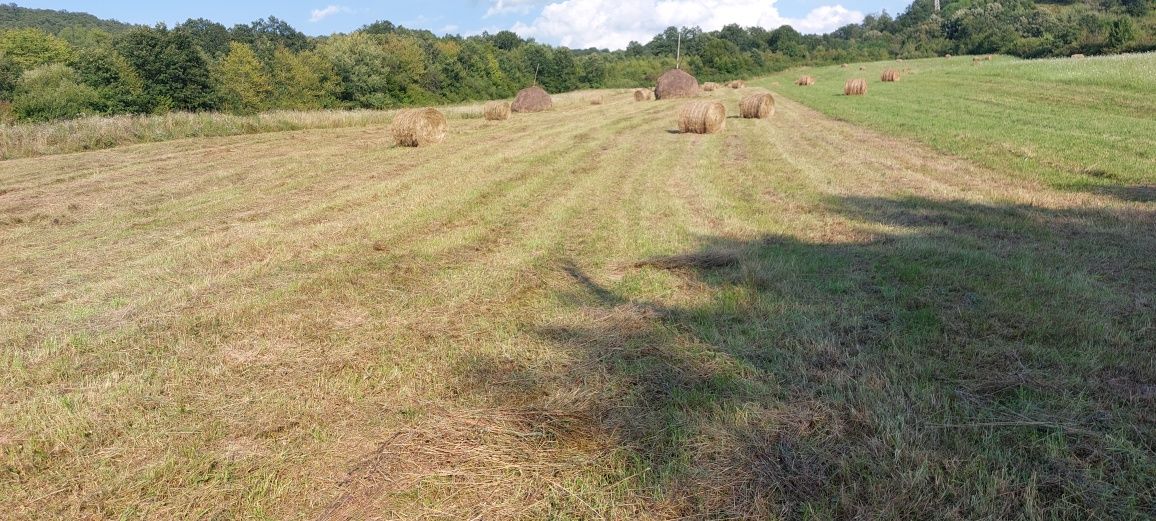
576 314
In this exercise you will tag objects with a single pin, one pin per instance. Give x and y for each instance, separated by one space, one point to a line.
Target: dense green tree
302 80
29 48
243 86
175 72
53 91
119 88
210 37
9 77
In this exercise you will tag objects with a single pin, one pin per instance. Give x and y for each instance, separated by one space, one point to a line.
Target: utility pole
678 52
937 6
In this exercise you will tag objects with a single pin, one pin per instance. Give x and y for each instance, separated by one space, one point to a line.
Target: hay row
702 117
757 106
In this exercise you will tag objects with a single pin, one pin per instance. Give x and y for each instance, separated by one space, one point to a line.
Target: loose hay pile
496 111
757 106
855 87
890 75
805 81
418 127
702 117
643 94
676 83
532 99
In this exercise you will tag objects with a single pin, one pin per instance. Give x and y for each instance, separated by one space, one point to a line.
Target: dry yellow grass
418 127
757 106
702 117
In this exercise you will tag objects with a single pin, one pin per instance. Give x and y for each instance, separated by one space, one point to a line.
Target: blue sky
575 23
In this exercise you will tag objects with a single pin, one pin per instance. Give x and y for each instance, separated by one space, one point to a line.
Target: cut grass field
575 314
1076 124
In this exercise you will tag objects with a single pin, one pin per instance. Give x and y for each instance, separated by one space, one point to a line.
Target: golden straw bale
702 117
757 106
418 127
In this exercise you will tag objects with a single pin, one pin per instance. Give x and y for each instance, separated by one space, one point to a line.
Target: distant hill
13 16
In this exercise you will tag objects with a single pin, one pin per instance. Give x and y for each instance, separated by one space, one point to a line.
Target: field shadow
977 361
1133 193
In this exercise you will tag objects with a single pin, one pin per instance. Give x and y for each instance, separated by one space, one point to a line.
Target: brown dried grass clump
855 87
805 81
737 84
890 75
532 99
757 106
701 260
643 94
496 111
702 117
676 83
418 127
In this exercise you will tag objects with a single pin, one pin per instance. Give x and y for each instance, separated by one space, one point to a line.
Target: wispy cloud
505 7
320 14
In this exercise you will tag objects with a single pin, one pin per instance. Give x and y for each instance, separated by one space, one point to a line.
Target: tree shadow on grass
976 362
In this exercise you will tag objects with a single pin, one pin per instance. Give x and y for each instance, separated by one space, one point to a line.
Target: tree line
53 70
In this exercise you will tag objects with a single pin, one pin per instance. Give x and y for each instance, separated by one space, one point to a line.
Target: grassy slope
1071 123
313 323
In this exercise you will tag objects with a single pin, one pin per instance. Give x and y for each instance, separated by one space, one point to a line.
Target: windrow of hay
855 87
737 84
643 94
418 127
676 83
496 111
702 117
890 75
805 81
532 99
757 106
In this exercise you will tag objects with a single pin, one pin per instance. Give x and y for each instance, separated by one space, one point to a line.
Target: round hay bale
805 81
418 127
496 111
890 75
757 106
596 100
532 99
988 58
702 117
676 83
737 84
1077 56
947 56
855 87
844 66
643 94
710 86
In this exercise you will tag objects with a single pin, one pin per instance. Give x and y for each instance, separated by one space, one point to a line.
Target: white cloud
504 7
614 23
318 15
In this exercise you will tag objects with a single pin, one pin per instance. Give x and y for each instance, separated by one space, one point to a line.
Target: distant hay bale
710 86
596 100
643 94
844 66
988 58
532 99
737 84
1077 56
855 87
757 106
947 56
702 117
805 81
418 127
496 111
890 75
676 83
862 68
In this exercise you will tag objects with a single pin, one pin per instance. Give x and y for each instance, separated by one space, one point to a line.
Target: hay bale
596 100
844 66
988 58
496 111
702 117
890 75
855 87
862 68
418 127
643 94
757 106
1077 56
805 81
947 56
532 99
710 86
676 83
737 84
